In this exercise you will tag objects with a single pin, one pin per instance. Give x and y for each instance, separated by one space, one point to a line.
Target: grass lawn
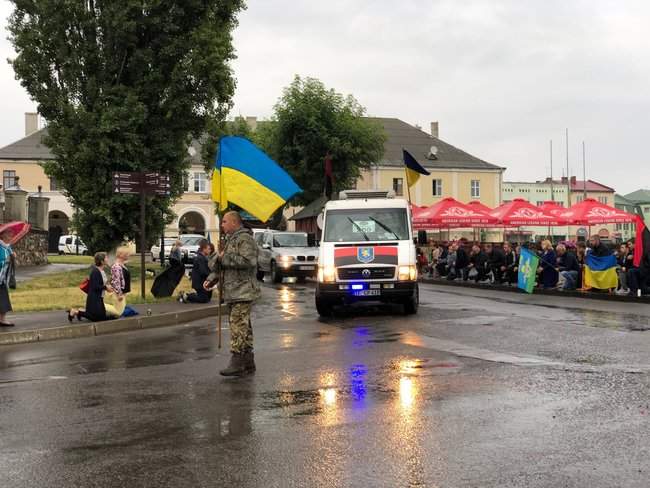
60 291
69 259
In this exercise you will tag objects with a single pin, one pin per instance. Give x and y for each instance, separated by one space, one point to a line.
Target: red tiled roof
579 185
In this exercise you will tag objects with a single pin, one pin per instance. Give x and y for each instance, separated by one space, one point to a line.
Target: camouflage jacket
239 266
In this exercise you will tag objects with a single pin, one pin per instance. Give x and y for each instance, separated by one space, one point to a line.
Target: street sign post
143 184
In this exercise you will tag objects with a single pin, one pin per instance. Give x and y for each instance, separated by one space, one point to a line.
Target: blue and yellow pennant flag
600 272
527 270
245 176
413 168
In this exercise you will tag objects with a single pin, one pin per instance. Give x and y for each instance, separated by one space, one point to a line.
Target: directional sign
130 182
126 182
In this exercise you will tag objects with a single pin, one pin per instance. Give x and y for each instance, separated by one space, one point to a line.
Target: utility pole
551 154
568 175
584 173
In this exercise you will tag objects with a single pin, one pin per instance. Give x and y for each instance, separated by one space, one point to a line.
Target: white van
367 252
68 245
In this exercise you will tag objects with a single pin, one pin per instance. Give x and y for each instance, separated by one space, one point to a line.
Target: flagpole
219 273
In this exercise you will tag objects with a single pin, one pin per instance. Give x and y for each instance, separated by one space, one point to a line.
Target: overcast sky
503 78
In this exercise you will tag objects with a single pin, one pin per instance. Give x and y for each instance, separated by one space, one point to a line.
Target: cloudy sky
503 78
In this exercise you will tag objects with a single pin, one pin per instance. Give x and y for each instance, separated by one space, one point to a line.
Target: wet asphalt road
479 389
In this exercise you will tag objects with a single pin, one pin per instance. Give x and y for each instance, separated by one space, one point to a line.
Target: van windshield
376 224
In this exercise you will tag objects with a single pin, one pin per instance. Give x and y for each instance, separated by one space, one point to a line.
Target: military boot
236 366
249 361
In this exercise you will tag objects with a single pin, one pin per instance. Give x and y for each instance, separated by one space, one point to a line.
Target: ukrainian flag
600 272
413 168
245 176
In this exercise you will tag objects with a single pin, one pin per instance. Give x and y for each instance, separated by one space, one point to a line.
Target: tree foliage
311 121
124 85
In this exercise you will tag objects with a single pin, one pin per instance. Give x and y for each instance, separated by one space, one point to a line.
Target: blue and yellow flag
413 168
600 272
245 176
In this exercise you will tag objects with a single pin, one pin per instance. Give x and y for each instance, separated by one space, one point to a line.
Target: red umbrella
449 212
592 212
552 208
476 205
519 212
17 230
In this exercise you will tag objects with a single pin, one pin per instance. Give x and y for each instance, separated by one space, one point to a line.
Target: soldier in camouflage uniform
238 262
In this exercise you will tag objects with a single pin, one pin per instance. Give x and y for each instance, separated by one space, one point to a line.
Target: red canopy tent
521 213
552 208
449 212
476 205
592 212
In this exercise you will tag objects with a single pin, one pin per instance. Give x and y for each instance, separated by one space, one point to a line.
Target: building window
186 182
398 186
646 209
579 198
437 188
8 178
603 200
619 226
540 203
476 189
626 226
54 186
200 182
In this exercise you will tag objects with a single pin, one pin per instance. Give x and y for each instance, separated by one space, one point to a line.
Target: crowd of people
561 265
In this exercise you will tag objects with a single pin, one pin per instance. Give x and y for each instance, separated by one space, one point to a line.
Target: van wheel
276 277
324 308
412 303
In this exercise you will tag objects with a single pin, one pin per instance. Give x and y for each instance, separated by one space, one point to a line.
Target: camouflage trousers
241 331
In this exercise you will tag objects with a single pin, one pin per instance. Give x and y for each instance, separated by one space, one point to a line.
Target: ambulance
367 252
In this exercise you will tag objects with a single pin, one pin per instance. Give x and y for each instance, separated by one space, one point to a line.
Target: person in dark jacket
478 261
510 265
96 310
568 267
547 266
496 262
200 272
598 249
462 261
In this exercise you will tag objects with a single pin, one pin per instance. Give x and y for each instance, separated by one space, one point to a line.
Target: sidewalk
24 273
53 325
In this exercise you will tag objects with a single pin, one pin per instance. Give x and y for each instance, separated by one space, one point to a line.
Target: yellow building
21 162
454 173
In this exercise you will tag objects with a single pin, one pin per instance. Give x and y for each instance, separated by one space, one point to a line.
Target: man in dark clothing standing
496 262
200 272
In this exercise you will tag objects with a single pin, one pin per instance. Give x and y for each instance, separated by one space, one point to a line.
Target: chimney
434 129
252 122
31 122
574 180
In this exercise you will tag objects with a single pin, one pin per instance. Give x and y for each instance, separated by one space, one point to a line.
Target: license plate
367 293
306 268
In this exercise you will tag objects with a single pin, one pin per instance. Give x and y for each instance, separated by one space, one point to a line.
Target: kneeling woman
96 310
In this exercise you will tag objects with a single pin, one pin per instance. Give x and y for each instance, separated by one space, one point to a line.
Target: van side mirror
266 246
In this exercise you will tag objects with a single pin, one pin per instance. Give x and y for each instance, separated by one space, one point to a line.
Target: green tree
311 121
124 85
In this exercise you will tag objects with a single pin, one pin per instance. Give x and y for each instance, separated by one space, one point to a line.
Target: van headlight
407 273
326 274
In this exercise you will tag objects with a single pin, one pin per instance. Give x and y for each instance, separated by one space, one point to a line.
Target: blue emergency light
357 287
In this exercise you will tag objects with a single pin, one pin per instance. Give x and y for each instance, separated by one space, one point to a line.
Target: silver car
286 254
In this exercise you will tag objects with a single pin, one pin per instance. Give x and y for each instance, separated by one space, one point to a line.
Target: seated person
478 261
496 262
200 272
510 268
568 267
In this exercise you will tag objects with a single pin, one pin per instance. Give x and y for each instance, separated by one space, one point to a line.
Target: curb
108 327
555 293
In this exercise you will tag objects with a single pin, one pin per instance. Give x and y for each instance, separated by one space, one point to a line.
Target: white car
71 244
286 254
155 249
190 246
